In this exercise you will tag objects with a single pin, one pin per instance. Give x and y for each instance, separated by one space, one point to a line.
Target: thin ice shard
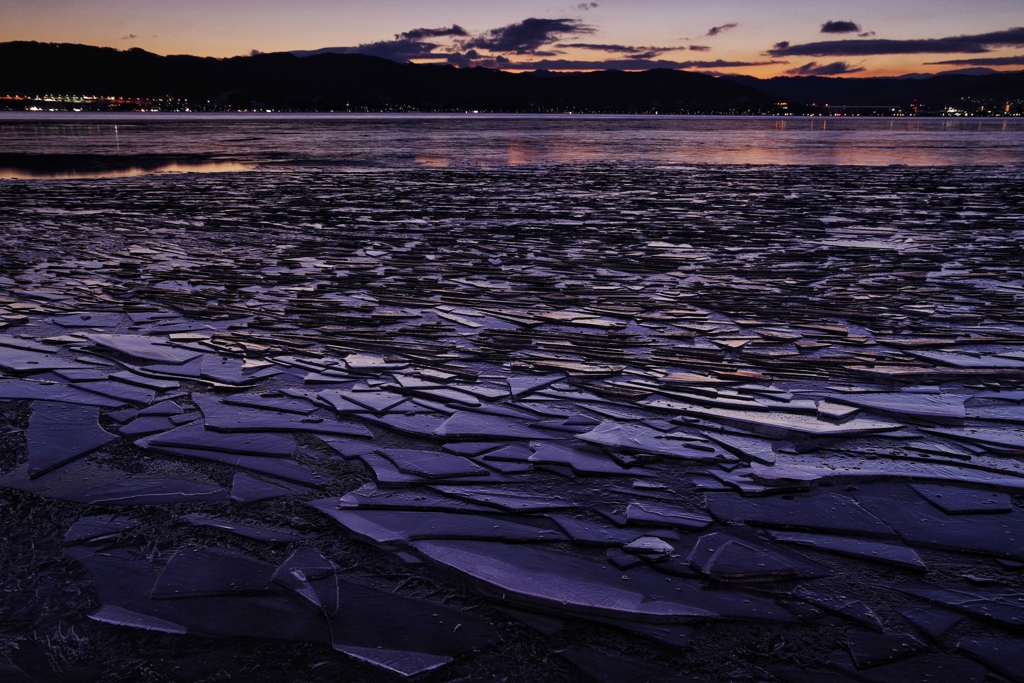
119 616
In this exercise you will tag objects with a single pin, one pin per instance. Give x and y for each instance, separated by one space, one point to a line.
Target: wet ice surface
744 423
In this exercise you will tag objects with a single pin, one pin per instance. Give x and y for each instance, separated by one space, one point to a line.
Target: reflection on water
453 140
173 167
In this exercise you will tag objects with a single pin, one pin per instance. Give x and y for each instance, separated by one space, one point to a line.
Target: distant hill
329 81
340 82
936 91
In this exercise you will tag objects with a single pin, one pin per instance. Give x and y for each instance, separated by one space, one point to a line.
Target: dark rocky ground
669 354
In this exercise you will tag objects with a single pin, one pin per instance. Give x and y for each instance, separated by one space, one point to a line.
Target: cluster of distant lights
174 104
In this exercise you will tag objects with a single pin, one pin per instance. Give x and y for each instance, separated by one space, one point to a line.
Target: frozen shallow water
553 422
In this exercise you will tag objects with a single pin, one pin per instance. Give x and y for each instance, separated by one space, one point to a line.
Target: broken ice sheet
163 409
879 551
369 497
933 621
955 500
523 385
59 432
82 481
145 426
510 500
638 438
432 464
591 532
97 528
1002 607
848 466
778 425
940 409
1002 655
828 512
195 571
285 405
726 558
119 391
375 401
23 361
246 489
565 584
224 417
648 513
231 370
140 347
126 581
24 389
387 526
476 426
143 381
745 446
282 468
872 649
255 533
403 635
196 436
311 576
922 667
581 461
918 522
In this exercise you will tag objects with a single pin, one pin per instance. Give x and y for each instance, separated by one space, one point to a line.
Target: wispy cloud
985 61
840 27
627 64
1013 37
699 48
636 52
587 6
715 30
130 36
832 69
528 36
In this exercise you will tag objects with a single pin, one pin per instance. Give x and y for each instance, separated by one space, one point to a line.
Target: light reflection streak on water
207 167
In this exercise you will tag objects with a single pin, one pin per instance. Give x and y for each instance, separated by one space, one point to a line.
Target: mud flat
588 422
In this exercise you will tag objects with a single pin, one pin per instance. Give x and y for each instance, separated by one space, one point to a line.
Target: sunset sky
756 37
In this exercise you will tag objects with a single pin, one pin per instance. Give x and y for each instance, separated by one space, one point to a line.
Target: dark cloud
586 6
420 33
130 36
715 30
1013 37
985 61
527 36
401 50
866 34
840 27
699 48
815 69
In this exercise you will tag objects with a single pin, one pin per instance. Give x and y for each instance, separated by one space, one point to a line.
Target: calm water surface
233 141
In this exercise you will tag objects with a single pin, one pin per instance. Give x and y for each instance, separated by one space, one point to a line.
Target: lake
47 144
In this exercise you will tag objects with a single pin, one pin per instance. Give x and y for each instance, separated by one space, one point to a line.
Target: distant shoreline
11 114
